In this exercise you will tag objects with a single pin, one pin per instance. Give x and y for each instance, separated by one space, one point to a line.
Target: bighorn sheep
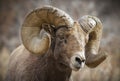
54 45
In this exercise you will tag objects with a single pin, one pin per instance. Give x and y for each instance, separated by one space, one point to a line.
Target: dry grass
4 59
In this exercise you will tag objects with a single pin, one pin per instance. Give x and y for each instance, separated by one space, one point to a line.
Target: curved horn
92 26
30 32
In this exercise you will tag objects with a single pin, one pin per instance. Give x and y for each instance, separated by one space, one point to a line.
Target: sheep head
72 41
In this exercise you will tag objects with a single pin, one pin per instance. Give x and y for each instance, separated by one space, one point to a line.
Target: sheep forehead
74 32
75 38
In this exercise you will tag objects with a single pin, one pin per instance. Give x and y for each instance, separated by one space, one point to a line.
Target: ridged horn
92 26
32 26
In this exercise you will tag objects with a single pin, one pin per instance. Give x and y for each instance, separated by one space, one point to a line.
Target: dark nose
79 60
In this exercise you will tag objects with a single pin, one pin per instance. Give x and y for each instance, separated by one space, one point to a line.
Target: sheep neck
57 70
47 68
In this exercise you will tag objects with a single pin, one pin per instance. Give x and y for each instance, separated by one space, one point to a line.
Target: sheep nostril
79 60
83 60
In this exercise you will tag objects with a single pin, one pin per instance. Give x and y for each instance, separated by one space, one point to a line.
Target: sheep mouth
76 66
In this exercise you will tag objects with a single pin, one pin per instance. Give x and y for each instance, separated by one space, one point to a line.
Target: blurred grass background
13 12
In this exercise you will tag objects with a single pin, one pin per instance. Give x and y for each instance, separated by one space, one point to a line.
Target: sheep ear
92 26
49 28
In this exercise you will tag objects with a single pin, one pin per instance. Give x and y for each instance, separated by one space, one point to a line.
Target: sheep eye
61 38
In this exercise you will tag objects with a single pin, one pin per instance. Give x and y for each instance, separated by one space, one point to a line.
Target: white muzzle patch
77 61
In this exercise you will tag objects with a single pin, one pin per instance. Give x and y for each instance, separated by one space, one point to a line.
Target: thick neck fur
47 68
56 72
38 68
